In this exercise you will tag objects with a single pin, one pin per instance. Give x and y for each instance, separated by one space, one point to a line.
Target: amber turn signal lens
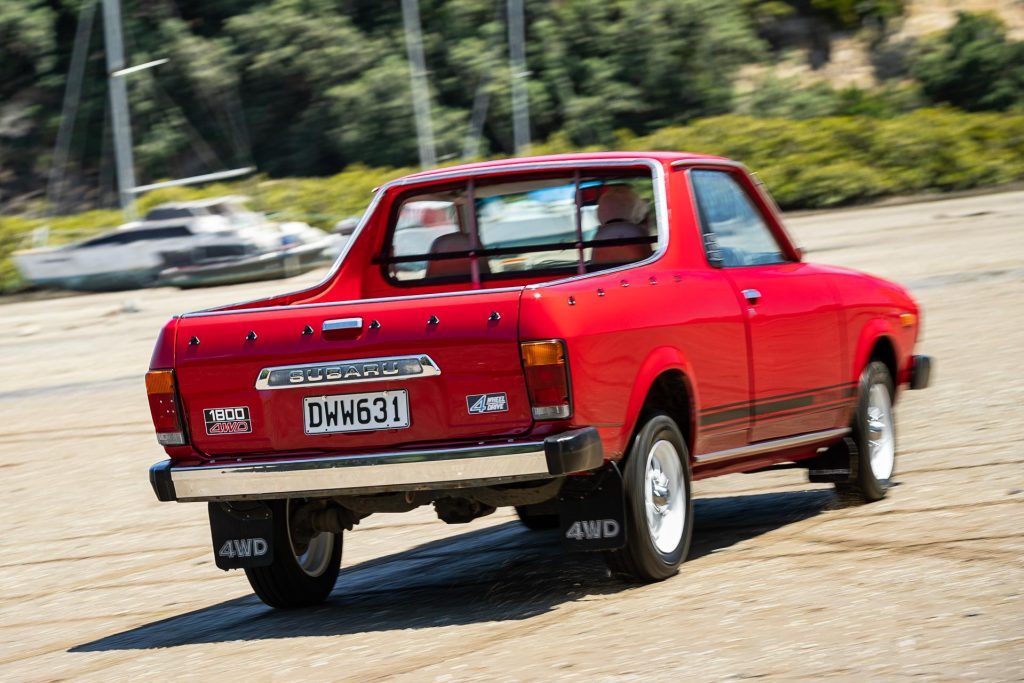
543 353
163 406
160 382
547 379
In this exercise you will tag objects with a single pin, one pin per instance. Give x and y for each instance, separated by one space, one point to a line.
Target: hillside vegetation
316 94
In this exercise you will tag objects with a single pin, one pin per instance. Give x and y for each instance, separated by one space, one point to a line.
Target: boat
210 241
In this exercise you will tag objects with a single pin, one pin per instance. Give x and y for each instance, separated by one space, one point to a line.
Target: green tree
973 65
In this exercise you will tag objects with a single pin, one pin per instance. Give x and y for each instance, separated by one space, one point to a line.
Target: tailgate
452 356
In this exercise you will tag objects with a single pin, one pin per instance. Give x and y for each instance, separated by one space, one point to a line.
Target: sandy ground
99 581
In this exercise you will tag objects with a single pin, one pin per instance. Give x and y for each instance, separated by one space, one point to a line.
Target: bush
973 65
815 163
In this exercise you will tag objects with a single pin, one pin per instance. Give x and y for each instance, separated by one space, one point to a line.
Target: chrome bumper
451 468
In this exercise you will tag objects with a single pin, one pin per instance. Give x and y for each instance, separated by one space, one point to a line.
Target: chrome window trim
429 367
660 207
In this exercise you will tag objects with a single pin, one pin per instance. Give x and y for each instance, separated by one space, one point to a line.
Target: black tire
641 558
865 486
284 584
537 521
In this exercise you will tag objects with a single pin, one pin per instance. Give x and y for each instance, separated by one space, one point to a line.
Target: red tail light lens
547 379
163 405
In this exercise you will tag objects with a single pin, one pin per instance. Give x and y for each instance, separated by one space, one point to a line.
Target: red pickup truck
577 336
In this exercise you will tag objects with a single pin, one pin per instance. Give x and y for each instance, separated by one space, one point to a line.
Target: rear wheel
303 572
659 506
874 432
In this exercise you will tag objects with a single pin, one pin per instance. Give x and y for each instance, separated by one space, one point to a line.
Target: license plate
356 412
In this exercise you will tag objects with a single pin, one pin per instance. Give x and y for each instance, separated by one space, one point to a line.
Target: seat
456 267
620 253
619 209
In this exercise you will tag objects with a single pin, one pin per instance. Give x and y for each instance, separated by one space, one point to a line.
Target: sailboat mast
517 64
418 76
119 107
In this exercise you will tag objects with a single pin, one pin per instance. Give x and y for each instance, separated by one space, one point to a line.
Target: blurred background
296 109
199 142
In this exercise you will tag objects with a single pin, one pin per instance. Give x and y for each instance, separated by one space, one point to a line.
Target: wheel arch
884 350
876 342
665 382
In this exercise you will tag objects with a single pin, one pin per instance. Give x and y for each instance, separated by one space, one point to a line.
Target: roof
663 157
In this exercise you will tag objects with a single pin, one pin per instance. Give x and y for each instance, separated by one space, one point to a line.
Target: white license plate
356 412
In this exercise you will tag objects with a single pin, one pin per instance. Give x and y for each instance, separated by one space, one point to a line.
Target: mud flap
592 510
243 534
835 465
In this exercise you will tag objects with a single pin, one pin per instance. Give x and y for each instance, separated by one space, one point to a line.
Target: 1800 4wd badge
227 420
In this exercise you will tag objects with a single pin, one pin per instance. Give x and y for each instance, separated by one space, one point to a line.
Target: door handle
343 328
752 296
343 324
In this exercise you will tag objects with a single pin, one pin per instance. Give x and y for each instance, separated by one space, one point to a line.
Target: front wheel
874 432
303 572
659 505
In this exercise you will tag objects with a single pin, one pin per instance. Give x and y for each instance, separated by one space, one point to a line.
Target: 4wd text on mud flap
589 529
243 547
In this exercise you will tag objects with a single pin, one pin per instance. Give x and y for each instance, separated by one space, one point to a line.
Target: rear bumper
577 450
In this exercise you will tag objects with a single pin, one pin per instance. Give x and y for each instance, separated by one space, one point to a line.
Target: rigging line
69 110
203 149
221 108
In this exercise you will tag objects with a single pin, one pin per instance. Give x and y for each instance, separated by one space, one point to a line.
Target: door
792 316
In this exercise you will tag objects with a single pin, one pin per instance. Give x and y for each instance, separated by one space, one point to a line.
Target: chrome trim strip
661 212
774 445
397 471
342 324
428 366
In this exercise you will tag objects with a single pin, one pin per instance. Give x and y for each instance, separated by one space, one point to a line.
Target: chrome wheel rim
316 555
881 435
664 496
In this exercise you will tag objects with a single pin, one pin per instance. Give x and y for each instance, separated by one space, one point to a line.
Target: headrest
621 203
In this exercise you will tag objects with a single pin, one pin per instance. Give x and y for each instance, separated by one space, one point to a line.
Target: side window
732 225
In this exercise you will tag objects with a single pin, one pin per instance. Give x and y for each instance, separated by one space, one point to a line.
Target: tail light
163 404
547 379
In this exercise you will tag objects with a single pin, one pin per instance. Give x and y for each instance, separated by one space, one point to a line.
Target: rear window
552 225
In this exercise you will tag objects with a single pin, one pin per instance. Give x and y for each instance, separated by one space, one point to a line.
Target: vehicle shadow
501 573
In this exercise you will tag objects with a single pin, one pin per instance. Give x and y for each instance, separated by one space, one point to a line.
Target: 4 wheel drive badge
487 403
227 421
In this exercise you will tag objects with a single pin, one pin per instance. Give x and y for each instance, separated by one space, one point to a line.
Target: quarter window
734 229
